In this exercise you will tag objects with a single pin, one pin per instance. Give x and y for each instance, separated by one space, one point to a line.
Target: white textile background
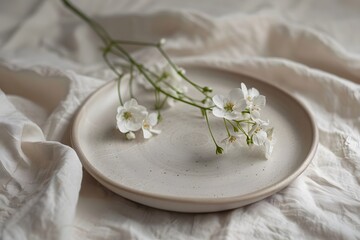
49 64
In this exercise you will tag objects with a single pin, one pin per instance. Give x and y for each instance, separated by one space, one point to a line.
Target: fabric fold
40 180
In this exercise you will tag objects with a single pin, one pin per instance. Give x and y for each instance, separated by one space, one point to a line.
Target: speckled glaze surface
178 170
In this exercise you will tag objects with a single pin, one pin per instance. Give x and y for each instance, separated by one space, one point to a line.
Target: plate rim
258 194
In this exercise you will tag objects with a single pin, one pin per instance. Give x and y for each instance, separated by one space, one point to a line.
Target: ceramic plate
178 170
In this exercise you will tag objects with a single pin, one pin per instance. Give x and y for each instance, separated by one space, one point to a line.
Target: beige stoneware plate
178 170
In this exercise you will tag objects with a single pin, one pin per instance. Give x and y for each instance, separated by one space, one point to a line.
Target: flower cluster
132 117
241 111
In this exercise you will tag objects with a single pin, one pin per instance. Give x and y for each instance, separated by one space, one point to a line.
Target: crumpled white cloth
50 64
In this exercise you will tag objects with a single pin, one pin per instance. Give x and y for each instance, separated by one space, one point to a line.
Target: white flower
130 116
254 101
230 107
233 141
262 135
148 123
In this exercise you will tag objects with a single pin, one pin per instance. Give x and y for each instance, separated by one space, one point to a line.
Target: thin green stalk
163 102
219 149
138 43
226 127
100 31
242 130
238 126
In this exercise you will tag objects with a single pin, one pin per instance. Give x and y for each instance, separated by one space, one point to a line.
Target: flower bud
182 71
130 136
162 42
219 150
207 89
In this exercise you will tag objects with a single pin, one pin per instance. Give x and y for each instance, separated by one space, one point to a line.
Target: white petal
236 95
120 109
156 131
133 126
137 108
219 101
260 101
218 112
152 119
270 133
260 138
255 114
122 126
138 116
268 149
232 115
262 123
131 103
147 134
253 92
230 144
240 106
119 115
244 90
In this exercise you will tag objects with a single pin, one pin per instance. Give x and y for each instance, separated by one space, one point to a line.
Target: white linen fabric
50 63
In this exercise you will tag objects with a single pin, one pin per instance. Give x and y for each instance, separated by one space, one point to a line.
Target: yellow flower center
146 126
229 107
127 115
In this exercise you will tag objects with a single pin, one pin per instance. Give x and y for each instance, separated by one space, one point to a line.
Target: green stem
226 127
218 148
241 129
163 102
138 43
100 31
